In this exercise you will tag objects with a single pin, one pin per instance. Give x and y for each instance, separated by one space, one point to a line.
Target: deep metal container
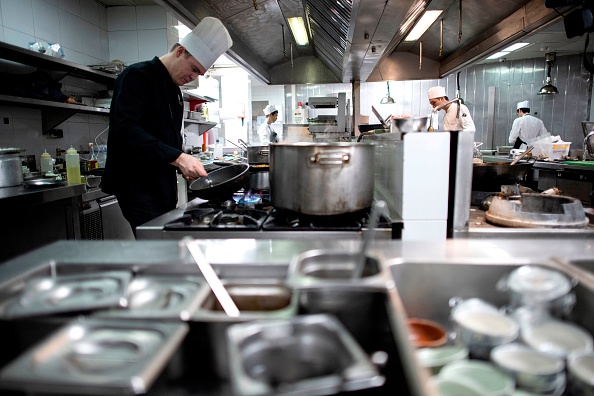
11 171
258 154
322 178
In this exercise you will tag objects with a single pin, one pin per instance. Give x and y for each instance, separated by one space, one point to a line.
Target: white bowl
532 370
481 376
580 367
557 338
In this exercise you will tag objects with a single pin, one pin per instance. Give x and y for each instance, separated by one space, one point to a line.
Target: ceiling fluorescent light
424 23
515 47
298 28
497 55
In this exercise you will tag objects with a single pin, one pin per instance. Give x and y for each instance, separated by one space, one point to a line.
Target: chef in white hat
145 122
526 128
266 132
451 122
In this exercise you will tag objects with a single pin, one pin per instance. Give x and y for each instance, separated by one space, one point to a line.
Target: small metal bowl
93 181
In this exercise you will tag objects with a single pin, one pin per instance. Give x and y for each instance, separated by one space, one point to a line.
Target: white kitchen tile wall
91 39
152 43
72 6
89 11
121 18
18 15
151 17
46 21
70 32
123 46
17 38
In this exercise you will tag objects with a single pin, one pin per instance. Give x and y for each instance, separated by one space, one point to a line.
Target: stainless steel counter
412 271
33 217
23 196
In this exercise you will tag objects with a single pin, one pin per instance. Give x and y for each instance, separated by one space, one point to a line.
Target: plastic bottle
218 149
72 166
47 163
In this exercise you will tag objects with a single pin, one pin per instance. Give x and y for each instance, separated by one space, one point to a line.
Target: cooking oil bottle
72 166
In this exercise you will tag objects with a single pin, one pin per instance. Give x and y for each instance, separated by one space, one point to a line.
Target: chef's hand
190 167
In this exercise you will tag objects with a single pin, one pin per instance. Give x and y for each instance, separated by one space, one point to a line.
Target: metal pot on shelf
322 178
11 171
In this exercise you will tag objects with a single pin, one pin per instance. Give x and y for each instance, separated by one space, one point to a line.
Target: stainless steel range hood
363 40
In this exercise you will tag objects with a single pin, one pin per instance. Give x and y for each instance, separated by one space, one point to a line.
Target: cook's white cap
207 41
523 105
270 109
436 92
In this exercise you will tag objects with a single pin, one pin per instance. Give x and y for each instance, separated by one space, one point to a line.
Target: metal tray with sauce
68 293
100 357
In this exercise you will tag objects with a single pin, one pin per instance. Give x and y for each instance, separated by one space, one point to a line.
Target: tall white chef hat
207 41
270 109
436 92
523 105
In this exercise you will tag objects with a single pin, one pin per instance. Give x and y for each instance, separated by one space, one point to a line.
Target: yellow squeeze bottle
72 166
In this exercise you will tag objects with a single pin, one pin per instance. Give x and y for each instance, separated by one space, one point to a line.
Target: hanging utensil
212 279
379 117
378 209
420 55
441 37
458 88
460 23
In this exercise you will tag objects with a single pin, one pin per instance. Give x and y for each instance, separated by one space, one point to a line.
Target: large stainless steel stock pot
322 178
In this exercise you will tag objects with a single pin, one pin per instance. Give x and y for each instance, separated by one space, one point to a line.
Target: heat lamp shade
548 89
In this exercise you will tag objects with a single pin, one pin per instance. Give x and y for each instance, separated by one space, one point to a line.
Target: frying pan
489 176
221 183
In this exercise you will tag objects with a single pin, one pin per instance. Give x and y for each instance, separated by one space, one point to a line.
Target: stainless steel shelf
46 62
52 113
203 126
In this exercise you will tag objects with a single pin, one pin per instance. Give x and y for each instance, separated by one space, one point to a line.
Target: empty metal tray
69 293
162 297
305 355
98 357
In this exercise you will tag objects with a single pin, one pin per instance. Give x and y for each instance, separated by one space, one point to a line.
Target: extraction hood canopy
363 40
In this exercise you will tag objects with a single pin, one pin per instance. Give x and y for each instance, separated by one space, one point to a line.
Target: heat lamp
549 88
387 99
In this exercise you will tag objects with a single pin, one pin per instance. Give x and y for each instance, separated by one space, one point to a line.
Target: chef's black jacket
144 136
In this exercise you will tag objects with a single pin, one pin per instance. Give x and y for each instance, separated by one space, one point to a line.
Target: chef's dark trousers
139 209
518 143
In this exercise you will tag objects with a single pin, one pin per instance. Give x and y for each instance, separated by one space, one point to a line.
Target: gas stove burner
229 204
240 218
282 220
213 219
537 211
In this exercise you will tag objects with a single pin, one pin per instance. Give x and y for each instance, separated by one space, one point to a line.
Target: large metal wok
221 183
490 176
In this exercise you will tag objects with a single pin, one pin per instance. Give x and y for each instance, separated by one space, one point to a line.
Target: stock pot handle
330 158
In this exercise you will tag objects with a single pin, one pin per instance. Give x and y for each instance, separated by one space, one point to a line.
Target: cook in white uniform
526 128
266 133
437 96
